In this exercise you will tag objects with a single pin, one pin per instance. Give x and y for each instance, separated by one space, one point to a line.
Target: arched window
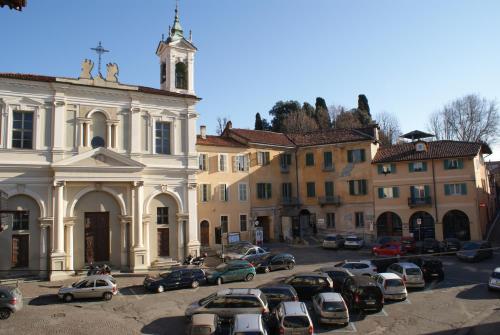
98 130
181 76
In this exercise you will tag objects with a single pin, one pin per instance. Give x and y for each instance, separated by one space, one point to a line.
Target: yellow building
436 189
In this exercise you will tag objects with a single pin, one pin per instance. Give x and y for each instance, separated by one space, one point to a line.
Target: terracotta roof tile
263 137
222 141
333 136
435 150
50 79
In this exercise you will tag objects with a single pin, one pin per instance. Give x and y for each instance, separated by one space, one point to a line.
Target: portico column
181 236
147 246
70 223
44 224
139 259
193 245
58 256
124 241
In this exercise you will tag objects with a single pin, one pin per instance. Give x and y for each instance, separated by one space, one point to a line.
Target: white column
146 242
59 217
124 241
139 199
44 224
136 131
109 143
58 120
70 245
192 222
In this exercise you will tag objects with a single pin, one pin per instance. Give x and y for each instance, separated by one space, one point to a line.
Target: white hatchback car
353 242
494 282
331 308
293 318
365 268
248 324
391 285
410 273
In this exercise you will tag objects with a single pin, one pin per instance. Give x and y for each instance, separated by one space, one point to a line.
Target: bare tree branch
390 130
221 124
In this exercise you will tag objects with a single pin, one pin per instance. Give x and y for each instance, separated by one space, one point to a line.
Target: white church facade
95 171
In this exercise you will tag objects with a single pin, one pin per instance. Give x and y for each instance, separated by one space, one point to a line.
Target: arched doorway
96 223
456 224
389 224
204 233
166 235
422 226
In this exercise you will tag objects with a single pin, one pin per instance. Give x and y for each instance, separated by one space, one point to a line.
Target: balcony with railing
329 200
290 201
419 201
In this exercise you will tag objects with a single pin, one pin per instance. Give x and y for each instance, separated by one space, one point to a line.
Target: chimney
203 132
229 125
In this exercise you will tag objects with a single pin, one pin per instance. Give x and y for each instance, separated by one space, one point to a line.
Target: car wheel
403 299
345 324
267 269
4 313
160 289
195 284
107 296
249 277
68 298
220 281
290 266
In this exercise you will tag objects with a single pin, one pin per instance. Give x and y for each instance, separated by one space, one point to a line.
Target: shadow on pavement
46 299
166 325
478 292
133 290
491 328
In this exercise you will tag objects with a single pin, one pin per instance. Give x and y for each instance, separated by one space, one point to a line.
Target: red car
409 244
389 249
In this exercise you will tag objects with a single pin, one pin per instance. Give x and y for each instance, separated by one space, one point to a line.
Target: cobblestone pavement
461 304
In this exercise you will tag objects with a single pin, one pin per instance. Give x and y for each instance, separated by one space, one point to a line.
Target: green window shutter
412 191
380 169
362 155
395 192
351 187
463 188
329 189
381 192
410 167
269 190
363 186
446 189
289 159
427 191
349 156
460 163
424 166
446 164
393 168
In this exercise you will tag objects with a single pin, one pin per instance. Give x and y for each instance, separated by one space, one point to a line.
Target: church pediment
99 158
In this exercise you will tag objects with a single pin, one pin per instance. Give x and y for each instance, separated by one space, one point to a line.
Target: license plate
430 250
434 275
370 302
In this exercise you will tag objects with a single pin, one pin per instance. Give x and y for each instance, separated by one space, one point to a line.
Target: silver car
11 301
410 273
245 252
98 286
248 324
333 241
354 242
293 318
331 308
494 282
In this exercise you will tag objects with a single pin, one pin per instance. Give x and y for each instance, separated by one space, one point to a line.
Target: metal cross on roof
99 50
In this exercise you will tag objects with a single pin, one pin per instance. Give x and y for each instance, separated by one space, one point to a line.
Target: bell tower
176 55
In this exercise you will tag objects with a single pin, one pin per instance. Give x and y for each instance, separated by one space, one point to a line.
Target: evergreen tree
321 114
258 122
279 112
362 113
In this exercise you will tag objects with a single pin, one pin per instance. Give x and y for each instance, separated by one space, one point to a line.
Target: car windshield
201 330
278 295
337 274
221 267
330 238
495 275
296 322
413 271
394 282
369 291
352 239
165 274
333 306
471 246
206 300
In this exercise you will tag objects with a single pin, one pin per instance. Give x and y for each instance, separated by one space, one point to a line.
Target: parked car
451 245
176 278
410 273
390 249
354 242
245 252
494 282
231 271
277 293
391 285
229 302
430 245
408 243
385 239
337 274
234 246
362 293
272 262
293 319
248 324
97 286
331 308
431 267
363 267
333 241
204 324
11 301
383 263
310 283
474 251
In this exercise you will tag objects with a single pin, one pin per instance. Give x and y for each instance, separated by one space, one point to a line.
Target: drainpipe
435 195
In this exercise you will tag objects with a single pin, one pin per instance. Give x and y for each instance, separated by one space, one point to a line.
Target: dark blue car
174 279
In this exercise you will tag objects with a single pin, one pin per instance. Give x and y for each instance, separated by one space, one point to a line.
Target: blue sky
408 57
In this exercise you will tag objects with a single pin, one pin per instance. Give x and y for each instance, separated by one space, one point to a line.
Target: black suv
431 268
337 274
309 284
273 262
430 245
276 293
362 293
176 278
451 244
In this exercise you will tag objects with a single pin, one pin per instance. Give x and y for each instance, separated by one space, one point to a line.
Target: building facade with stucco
96 171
